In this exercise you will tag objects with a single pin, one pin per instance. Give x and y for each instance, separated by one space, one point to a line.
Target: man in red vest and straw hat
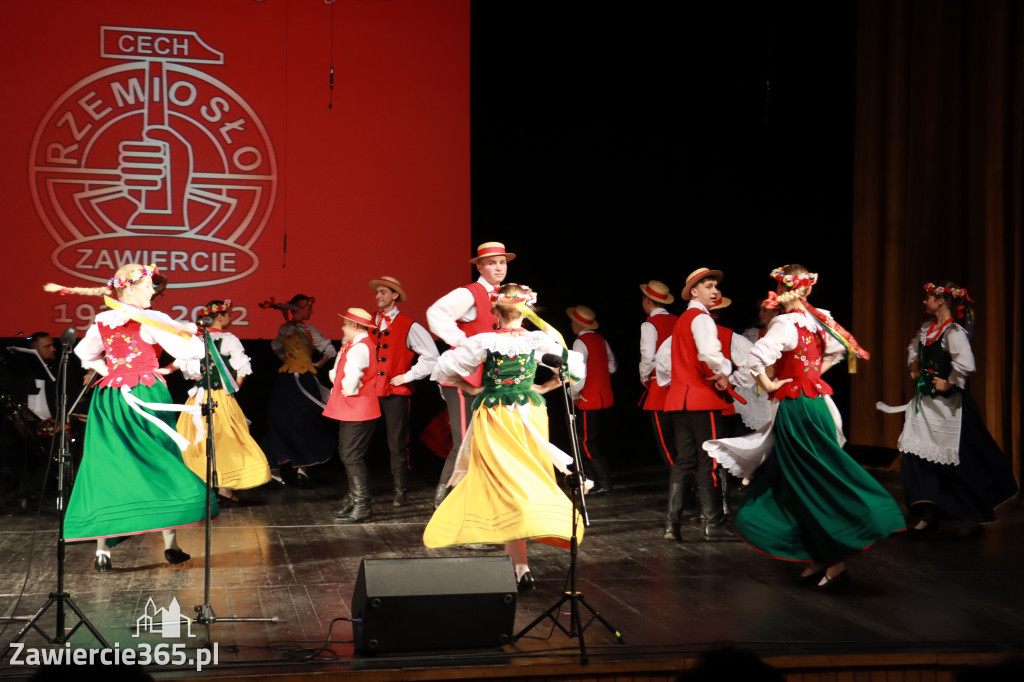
399 341
353 402
696 397
593 393
456 316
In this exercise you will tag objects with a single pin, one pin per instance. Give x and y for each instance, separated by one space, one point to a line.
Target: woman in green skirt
808 500
132 478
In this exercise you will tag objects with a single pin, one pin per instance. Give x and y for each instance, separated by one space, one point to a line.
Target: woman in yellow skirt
504 481
241 463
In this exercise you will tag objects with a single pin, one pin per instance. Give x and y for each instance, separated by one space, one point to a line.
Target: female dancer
955 470
810 502
297 432
132 478
506 490
240 462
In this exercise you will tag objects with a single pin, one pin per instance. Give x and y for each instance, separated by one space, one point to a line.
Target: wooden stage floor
934 601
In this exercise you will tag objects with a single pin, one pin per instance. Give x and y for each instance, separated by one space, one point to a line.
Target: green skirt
132 478
810 501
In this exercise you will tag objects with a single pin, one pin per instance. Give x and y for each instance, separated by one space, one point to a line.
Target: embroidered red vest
360 407
393 356
654 399
597 390
486 321
130 360
803 366
690 388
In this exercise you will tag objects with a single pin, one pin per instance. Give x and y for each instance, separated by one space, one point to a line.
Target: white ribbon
140 408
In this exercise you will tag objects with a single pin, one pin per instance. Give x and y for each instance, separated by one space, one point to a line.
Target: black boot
675 511
359 494
401 489
726 485
711 510
440 493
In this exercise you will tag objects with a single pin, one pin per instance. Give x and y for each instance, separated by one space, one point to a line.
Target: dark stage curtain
937 194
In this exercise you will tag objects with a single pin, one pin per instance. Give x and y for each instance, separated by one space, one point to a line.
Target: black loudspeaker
410 604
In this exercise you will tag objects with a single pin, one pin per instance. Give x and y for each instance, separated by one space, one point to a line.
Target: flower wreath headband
132 277
524 303
527 298
793 281
955 292
217 309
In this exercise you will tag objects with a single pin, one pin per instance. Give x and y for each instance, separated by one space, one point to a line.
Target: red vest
655 396
803 366
393 355
486 321
360 407
597 389
690 388
130 360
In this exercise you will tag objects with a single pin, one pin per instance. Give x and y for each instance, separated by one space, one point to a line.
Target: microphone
204 321
67 339
553 360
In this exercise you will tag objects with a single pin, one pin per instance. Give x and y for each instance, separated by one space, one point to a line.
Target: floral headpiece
132 277
527 298
792 281
955 292
216 309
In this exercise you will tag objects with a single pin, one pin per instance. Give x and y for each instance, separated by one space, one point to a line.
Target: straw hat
390 283
657 292
696 276
488 249
724 303
359 316
582 315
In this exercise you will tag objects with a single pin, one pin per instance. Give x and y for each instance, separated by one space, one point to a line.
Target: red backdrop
197 135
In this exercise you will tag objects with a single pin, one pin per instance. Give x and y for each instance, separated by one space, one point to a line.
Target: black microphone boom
553 360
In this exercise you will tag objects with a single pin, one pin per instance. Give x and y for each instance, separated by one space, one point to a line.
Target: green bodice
215 381
934 362
508 380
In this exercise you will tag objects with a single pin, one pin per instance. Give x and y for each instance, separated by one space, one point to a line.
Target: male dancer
695 400
398 341
456 316
353 402
593 394
655 332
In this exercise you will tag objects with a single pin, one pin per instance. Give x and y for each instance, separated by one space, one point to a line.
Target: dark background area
614 147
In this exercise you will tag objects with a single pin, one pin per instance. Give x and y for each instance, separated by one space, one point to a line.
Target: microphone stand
579 506
61 598
204 612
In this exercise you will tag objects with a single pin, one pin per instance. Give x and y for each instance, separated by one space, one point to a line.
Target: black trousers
395 411
354 441
692 428
590 432
460 412
664 436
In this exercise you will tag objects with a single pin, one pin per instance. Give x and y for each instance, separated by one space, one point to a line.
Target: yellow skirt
241 463
509 491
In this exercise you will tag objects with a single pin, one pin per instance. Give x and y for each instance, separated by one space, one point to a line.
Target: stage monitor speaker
416 604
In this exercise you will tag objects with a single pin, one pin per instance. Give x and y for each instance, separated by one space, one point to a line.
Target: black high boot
711 510
401 488
675 511
359 494
440 493
726 485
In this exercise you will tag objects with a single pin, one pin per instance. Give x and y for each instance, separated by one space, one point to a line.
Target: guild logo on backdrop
152 160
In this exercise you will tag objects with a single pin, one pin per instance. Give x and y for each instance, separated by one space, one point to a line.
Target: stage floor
281 554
